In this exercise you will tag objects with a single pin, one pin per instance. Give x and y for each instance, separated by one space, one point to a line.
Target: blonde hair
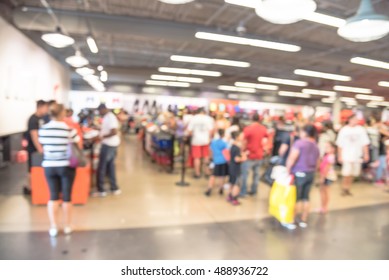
56 110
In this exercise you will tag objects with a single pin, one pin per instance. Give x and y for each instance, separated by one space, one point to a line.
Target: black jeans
303 182
107 167
60 180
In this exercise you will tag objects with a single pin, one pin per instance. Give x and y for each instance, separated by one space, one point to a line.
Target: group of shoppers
51 130
302 150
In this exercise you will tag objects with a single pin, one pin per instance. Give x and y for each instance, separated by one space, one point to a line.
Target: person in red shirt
255 136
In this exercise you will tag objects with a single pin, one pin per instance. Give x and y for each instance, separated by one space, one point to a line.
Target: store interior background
134 39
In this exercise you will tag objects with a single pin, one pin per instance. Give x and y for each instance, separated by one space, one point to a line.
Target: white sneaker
67 230
303 224
289 226
99 194
53 232
117 192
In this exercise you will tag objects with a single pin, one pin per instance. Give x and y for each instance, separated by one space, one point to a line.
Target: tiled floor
156 219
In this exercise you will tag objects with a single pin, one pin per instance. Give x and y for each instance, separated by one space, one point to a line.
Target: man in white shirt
353 149
109 135
200 127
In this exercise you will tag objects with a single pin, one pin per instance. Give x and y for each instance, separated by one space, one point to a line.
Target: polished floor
154 219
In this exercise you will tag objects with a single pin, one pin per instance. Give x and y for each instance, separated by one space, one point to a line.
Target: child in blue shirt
220 171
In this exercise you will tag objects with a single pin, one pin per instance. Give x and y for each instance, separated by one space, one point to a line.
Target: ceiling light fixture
177 79
294 94
325 19
185 71
247 41
314 17
328 100
176 2
92 44
57 39
322 75
77 60
370 97
353 89
282 81
236 89
370 62
167 84
104 76
85 71
383 84
366 25
319 92
203 60
284 12
256 86
100 68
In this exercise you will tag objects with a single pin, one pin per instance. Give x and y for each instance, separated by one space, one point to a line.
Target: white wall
27 74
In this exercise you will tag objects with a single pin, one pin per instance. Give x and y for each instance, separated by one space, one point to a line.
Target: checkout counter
83 182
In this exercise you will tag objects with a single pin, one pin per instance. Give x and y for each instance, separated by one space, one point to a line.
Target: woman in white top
55 138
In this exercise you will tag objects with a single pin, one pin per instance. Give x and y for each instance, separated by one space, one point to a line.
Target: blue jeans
382 168
107 167
245 168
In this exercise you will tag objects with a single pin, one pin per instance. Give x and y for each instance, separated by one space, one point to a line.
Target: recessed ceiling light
370 97
319 92
383 84
189 71
167 84
353 89
247 41
176 2
177 79
294 94
256 86
282 81
322 75
204 60
92 44
325 19
327 100
370 62
236 89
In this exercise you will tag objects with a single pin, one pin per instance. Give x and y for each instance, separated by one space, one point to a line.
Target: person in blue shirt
220 171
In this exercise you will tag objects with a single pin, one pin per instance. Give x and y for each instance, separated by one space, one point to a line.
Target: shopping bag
76 156
282 201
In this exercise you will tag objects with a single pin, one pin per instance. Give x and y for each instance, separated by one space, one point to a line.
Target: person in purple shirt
302 163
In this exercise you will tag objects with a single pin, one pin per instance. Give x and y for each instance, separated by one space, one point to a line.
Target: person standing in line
382 170
327 175
328 135
109 136
237 157
47 116
55 136
235 127
353 149
302 163
201 128
220 171
33 145
255 135
286 144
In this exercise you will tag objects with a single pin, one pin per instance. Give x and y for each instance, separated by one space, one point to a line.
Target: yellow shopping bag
282 201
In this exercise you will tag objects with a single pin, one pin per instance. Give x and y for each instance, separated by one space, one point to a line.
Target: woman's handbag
76 156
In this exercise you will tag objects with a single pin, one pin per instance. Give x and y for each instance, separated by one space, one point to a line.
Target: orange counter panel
40 190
